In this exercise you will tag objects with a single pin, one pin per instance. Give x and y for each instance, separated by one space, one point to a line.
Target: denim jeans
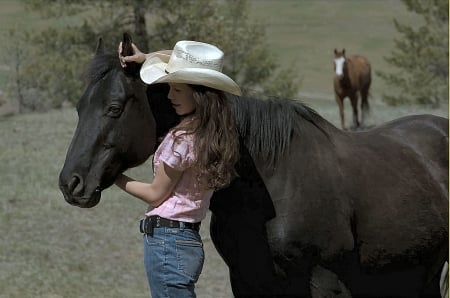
173 259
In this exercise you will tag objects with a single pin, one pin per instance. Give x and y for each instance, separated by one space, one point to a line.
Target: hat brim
153 71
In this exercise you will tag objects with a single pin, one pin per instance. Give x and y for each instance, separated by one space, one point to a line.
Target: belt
149 223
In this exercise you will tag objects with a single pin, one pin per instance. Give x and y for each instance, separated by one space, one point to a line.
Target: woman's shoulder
179 138
180 134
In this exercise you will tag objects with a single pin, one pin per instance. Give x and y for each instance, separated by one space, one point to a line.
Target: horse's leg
240 239
354 102
238 231
364 104
340 103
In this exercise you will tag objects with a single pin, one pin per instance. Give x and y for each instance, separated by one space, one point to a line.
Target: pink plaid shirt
188 202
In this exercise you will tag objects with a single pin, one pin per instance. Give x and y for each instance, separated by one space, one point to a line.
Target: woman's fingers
137 56
121 57
120 49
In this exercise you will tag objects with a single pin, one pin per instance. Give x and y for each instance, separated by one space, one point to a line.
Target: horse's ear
132 68
343 52
127 49
100 47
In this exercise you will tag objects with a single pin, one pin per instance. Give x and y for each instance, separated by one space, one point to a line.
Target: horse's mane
266 126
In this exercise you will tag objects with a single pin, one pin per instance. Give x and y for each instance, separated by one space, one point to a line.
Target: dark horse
316 211
352 76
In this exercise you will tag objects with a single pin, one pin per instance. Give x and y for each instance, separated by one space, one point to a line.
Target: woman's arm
138 56
152 193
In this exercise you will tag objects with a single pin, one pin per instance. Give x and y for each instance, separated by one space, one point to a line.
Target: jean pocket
153 241
190 256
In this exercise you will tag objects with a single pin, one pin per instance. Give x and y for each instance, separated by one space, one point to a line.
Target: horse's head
116 129
339 62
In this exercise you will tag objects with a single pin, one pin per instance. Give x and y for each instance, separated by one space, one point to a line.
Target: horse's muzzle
74 193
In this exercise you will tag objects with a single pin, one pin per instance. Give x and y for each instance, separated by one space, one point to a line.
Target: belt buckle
142 226
146 226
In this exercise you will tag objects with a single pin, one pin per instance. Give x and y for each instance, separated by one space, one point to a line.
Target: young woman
195 158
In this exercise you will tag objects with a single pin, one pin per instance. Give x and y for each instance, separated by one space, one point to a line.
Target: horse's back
426 135
390 182
418 143
402 203
361 62
360 71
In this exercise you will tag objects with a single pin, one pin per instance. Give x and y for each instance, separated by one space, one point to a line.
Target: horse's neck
267 127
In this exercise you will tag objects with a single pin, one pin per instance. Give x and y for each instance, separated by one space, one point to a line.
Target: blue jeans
173 259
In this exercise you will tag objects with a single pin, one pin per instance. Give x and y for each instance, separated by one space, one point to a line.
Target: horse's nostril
76 185
73 183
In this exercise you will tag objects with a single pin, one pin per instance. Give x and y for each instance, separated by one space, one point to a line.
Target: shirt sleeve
177 151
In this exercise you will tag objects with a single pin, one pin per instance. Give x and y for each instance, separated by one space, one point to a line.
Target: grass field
51 249
305 33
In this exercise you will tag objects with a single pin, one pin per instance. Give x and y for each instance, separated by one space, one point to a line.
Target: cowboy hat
191 62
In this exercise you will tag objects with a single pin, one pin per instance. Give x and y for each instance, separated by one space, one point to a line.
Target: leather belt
149 223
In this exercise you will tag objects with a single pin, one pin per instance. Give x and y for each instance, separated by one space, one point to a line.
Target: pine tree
64 49
421 57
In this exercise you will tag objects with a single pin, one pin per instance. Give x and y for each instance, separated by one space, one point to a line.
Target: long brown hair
216 138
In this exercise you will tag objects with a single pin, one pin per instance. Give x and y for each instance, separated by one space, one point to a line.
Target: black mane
266 126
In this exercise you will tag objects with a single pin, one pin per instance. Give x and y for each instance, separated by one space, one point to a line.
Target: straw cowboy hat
191 62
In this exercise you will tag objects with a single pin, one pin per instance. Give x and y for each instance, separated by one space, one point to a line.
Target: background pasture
51 249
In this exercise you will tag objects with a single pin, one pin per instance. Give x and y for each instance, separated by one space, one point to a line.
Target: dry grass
305 33
51 249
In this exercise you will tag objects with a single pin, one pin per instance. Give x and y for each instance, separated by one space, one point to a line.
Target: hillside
303 33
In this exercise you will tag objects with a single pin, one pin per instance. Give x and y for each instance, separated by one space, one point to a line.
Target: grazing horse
316 211
352 76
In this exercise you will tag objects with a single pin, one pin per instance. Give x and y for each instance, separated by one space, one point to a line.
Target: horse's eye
114 110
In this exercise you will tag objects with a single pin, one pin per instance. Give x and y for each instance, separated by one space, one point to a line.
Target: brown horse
352 75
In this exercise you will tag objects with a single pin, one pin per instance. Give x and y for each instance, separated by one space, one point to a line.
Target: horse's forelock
102 64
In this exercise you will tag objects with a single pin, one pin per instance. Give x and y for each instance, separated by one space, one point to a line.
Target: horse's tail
365 95
365 106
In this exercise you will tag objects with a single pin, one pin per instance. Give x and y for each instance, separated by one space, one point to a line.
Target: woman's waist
147 224
182 208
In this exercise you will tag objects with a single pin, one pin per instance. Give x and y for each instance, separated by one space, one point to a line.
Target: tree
421 57
64 48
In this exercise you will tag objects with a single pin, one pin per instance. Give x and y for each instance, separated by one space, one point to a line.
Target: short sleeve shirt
188 202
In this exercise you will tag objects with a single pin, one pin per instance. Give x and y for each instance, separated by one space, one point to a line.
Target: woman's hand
152 193
137 56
